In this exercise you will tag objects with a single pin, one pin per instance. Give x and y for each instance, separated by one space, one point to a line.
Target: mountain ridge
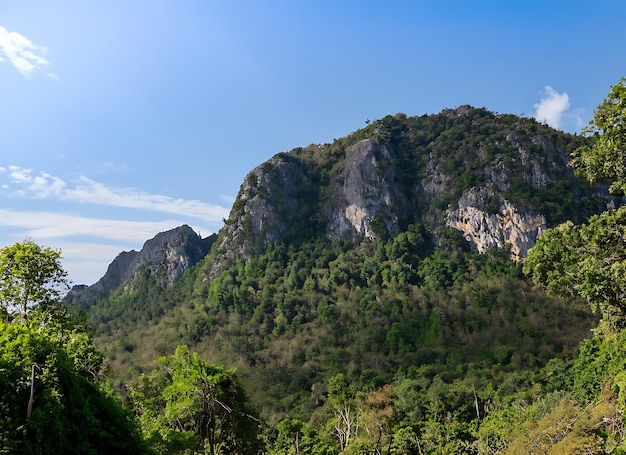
365 197
167 256
387 248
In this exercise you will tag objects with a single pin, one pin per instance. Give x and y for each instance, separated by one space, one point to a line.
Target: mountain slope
498 179
361 257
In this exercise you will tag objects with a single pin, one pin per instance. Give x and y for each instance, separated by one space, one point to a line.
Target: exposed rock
363 192
483 230
267 204
165 257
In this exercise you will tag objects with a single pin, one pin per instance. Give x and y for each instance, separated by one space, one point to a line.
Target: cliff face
508 227
499 180
484 175
165 258
364 190
266 209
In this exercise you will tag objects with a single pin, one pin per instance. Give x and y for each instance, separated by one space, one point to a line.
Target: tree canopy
53 398
589 260
605 157
190 405
30 275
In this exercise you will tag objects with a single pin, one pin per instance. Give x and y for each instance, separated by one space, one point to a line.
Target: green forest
390 345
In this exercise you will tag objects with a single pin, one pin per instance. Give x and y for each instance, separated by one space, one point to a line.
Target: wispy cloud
27 183
88 245
48 225
552 106
25 56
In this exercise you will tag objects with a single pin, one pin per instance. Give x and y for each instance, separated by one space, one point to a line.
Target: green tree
50 398
341 395
189 405
589 260
294 437
30 275
605 157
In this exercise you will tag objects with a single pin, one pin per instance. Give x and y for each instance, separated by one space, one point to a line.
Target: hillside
389 256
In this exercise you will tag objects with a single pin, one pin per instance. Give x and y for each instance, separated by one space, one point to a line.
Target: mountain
390 253
499 180
164 257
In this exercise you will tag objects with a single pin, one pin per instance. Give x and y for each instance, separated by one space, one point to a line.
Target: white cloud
18 174
84 259
24 183
48 225
25 56
551 107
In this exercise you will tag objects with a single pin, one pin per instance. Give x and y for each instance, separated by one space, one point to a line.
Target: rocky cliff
500 180
497 180
164 257
364 190
509 227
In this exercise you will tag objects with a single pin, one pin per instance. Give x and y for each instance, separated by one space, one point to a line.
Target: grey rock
165 257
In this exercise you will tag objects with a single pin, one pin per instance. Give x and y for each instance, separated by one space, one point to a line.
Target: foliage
72 411
587 260
292 436
30 275
189 405
605 157
392 339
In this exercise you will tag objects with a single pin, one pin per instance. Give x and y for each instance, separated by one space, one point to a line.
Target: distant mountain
165 257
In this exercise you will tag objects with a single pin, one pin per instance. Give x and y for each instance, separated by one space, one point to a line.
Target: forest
393 345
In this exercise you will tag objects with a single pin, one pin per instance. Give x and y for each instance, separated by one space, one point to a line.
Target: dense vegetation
387 346
53 396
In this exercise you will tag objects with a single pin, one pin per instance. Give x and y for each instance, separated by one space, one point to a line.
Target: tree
52 396
341 395
605 157
294 437
589 260
30 275
378 418
189 405
71 411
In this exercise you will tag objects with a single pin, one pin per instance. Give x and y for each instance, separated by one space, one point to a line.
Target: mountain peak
165 257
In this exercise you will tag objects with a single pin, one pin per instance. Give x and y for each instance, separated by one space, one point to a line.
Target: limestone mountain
498 180
164 257
384 251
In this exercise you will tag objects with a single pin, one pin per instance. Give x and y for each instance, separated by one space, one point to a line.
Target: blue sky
122 119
